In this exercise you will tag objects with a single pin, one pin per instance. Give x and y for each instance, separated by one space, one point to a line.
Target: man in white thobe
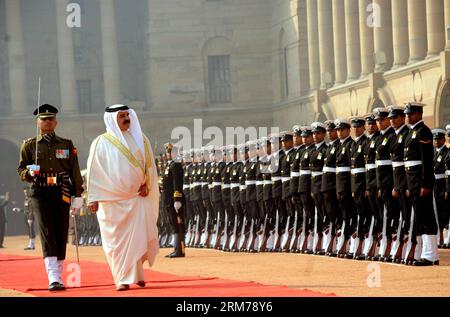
122 185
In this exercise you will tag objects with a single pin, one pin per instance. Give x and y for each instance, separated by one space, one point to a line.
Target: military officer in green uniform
53 170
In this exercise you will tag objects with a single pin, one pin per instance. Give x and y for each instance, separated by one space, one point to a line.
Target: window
219 79
84 95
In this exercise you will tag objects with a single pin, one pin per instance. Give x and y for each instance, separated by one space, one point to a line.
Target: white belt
276 179
235 185
412 163
285 179
315 174
259 183
383 162
371 166
439 176
225 186
204 183
295 174
343 169
196 184
186 186
242 187
398 164
210 186
267 182
327 169
250 183
447 173
358 170
305 172
216 184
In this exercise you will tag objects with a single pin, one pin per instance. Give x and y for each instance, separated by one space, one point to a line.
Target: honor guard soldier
294 183
343 183
371 187
289 152
358 186
329 187
397 118
260 170
269 205
235 178
419 157
196 197
277 186
385 182
50 163
316 163
442 206
304 187
251 203
174 199
188 165
226 194
217 167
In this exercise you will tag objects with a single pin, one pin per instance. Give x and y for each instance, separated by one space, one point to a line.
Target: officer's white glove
33 170
77 203
177 205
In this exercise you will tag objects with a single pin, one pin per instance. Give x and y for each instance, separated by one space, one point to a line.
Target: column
340 59
417 30
67 83
16 58
313 45
400 32
383 36
110 55
435 27
326 49
353 41
366 35
447 23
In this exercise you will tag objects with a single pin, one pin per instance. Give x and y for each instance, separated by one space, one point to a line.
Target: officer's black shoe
176 255
389 259
56 286
376 258
332 254
425 262
349 255
361 257
2 247
321 252
29 248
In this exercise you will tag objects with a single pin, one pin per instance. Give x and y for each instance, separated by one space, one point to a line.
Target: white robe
127 221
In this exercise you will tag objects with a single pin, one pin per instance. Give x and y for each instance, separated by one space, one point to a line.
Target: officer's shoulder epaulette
29 140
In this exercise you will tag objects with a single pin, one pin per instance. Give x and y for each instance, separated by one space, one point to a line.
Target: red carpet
27 274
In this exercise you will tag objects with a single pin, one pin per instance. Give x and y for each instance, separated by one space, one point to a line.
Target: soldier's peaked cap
414 107
45 111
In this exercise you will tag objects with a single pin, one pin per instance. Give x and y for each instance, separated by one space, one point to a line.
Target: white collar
318 145
439 149
342 141
399 129
359 137
287 151
415 124
385 130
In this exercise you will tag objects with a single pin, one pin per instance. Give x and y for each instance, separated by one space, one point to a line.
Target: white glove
177 205
77 203
32 169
